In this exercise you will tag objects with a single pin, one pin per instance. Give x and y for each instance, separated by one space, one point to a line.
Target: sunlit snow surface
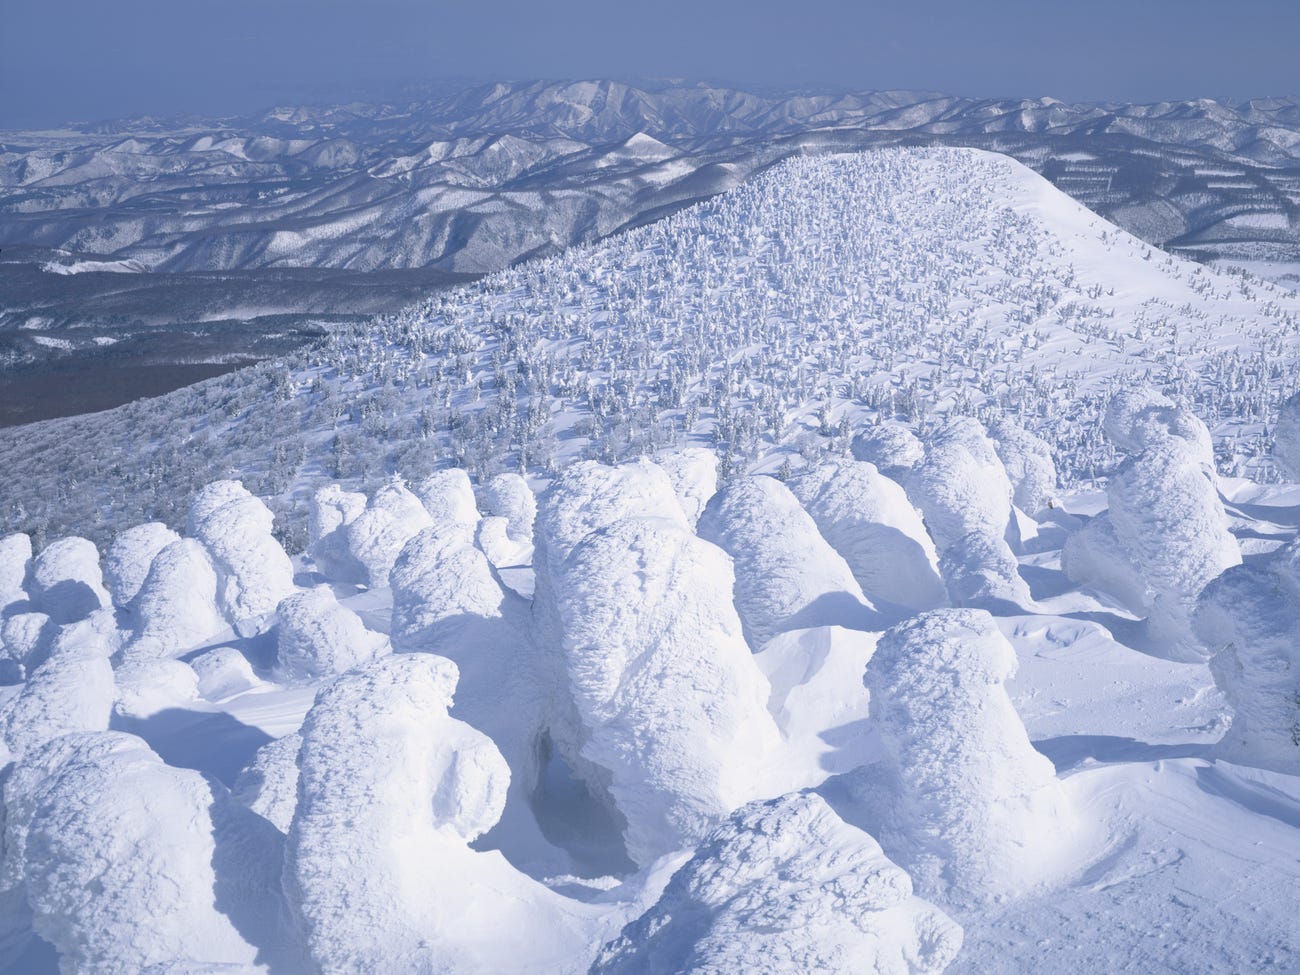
638 726
768 323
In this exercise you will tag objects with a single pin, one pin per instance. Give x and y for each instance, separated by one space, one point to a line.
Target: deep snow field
906 579
841 723
766 323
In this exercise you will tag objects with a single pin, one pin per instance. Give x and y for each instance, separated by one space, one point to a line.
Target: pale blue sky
89 59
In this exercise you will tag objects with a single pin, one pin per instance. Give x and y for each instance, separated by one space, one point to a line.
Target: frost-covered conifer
962 800
318 637
376 536
448 496
785 886
870 522
66 581
508 496
787 576
693 472
126 566
1249 620
891 447
964 494
130 862
253 571
670 706
330 512
176 607
391 790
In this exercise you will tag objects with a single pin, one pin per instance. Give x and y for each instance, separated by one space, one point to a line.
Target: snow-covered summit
906 284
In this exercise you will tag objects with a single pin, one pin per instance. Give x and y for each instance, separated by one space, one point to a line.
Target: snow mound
868 519
1249 619
27 638
891 447
119 863
1027 459
962 800
176 607
253 571
693 472
71 691
1094 557
66 582
126 566
508 496
442 585
145 687
785 886
376 536
268 785
1166 514
448 496
391 789
787 576
964 494
318 637
223 672
331 510
670 704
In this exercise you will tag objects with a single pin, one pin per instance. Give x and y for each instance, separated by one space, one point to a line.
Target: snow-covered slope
766 322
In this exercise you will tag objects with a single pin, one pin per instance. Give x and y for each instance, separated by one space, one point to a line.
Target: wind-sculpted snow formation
962 801
962 490
906 285
868 519
787 576
669 703
785 886
1249 621
1165 534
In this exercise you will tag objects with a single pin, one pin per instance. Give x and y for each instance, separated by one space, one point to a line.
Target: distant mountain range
200 244
767 323
476 180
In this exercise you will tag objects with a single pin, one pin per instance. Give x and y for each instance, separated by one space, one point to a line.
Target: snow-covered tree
785 886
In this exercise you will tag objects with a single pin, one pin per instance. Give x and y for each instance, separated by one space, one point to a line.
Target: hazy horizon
147 57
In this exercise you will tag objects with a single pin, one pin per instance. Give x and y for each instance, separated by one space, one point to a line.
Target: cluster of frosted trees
685 646
824 294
